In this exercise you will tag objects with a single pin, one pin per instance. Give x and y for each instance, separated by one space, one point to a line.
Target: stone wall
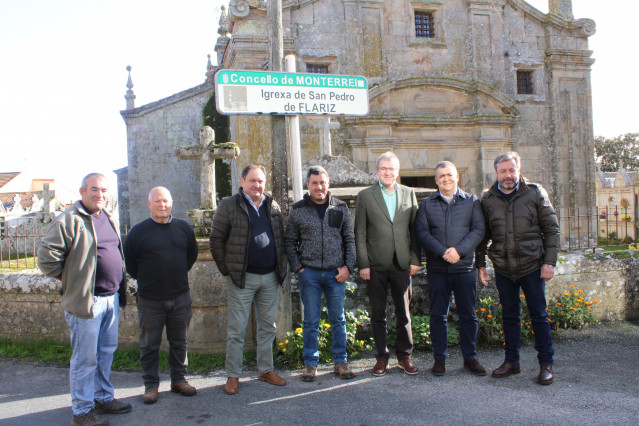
30 303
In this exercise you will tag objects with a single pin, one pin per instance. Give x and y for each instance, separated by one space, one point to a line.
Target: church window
424 24
317 68
524 82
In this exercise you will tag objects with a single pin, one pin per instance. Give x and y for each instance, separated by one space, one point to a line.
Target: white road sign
264 92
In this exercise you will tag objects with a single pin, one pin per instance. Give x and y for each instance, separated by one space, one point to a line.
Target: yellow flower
572 286
327 325
284 350
281 344
298 330
286 342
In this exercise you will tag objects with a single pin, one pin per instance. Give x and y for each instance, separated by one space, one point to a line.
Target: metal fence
580 231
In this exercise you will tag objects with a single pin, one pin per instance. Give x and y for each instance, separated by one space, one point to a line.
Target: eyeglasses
387 169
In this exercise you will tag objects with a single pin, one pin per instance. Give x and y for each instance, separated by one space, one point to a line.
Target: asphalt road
597 382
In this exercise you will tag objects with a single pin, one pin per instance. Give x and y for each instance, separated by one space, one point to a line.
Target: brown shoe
475 367
439 367
272 378
545 375
115 406
343 371
379 369
183 388
309 373
407 365
89 419
506 370
232 386
150 396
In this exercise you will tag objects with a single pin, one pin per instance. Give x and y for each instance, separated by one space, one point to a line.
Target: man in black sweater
159 252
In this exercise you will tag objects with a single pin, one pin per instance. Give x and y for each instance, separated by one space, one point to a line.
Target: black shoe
439 367
475 367
506 370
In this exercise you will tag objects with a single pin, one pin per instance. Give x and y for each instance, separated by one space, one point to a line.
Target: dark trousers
154 315
440 287
534 291
399 283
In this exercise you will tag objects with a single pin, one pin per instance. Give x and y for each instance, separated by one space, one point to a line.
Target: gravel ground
597 382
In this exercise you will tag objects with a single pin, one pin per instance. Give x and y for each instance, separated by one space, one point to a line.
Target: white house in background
24 185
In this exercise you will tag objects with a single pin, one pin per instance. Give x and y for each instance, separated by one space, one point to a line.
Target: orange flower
575 294
523 296
522 324
576 304
589 307
580 291
587 303
476 310
596 301
558 304
549 320
483 309
572 286
573 309
562 313
532 331
501 332
490 316
566 294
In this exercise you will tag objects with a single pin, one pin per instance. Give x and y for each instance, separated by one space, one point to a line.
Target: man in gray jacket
82 248
320 246
524 233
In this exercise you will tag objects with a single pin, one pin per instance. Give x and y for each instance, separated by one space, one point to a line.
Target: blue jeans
534 290
154 315
312 283
93 341
440 287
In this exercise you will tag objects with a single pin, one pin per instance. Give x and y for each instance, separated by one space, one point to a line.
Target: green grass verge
123 359
16 264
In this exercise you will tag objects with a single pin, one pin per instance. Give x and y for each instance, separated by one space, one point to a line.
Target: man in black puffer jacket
524 231
247 244
449 226
320 245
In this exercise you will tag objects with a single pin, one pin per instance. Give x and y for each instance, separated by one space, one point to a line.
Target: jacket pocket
335 218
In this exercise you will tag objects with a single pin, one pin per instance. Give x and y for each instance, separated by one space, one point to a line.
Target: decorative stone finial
130 96
223 29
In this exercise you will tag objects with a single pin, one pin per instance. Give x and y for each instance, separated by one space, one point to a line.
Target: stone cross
47 195
325 126
207 151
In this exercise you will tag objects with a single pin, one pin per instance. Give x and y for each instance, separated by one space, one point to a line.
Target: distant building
617 203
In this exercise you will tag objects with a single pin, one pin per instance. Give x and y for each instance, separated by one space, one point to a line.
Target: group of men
322 244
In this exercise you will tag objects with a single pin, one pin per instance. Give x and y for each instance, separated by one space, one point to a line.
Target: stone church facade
458 80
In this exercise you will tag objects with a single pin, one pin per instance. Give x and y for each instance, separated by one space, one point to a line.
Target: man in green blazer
388 255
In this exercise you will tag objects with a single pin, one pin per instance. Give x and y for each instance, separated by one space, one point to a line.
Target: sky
63 74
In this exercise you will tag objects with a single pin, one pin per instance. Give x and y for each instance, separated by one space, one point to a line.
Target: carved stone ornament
587 27
239 8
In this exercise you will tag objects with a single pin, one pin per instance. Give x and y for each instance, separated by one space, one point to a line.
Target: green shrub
571 310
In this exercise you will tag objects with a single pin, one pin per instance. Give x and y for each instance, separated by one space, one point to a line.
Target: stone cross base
202 220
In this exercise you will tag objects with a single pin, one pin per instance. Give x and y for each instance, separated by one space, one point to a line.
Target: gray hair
387 156
315 170
443 164
512 155
250 167
158 188
90 175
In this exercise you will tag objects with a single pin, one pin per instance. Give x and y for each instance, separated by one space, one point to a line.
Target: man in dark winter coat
449 226
247 244
524 230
